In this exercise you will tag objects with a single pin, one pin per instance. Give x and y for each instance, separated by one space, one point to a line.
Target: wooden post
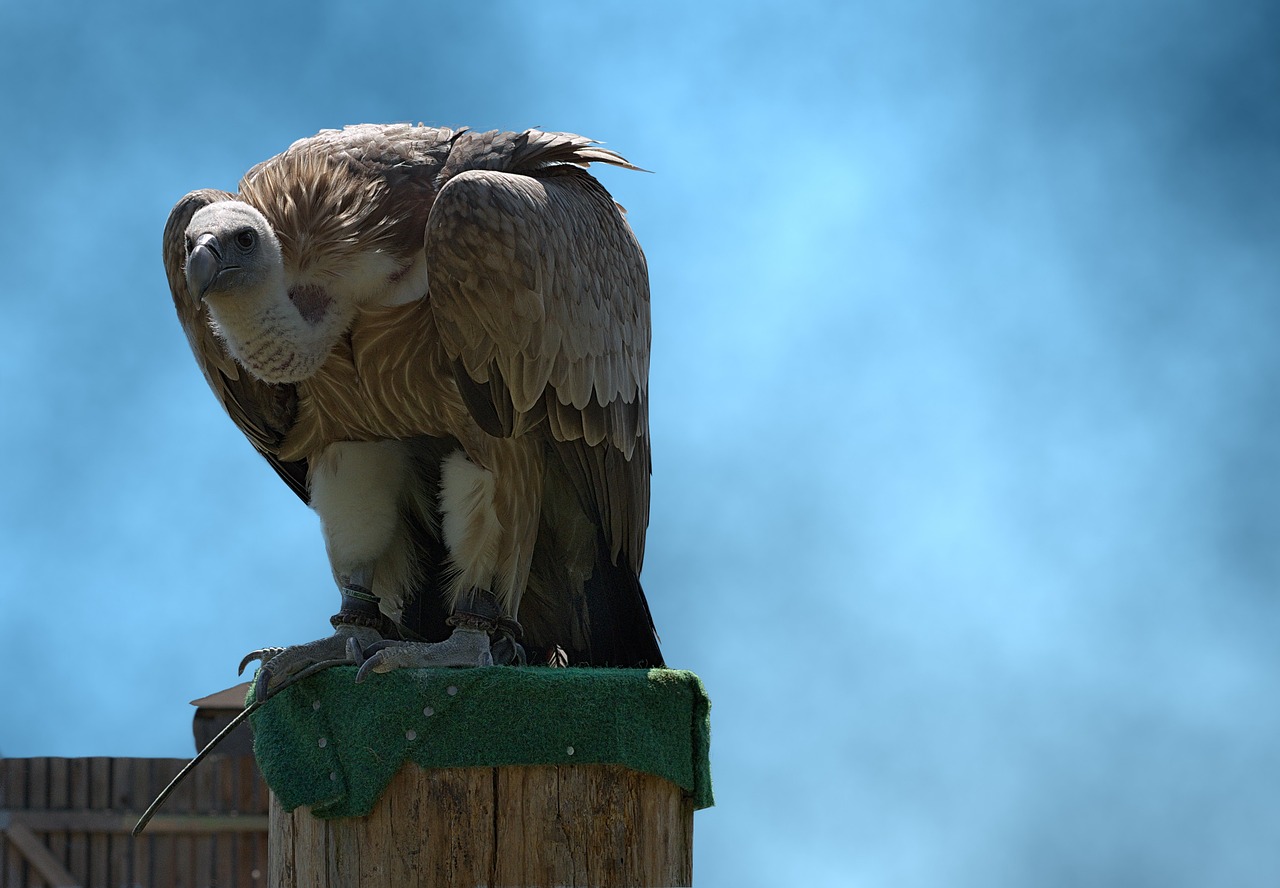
524 826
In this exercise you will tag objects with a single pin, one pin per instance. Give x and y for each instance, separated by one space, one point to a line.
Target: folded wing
541 297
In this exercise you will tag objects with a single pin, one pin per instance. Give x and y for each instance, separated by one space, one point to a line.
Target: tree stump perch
530 826
485 777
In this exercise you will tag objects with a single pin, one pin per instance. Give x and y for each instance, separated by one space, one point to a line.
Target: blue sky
963 401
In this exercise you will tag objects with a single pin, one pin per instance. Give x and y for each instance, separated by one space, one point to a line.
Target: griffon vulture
439 340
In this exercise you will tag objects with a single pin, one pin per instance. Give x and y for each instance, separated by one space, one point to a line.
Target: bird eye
191 244
245 238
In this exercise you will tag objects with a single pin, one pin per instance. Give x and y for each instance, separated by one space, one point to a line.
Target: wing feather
559 313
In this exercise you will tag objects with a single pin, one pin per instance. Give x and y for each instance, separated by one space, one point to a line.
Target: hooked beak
203 265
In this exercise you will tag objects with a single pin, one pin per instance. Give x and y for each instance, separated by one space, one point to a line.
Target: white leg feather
357 489
469 524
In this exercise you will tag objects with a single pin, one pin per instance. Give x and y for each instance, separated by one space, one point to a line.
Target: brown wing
541 296
263 412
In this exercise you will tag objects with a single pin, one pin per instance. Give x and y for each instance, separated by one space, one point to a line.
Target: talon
283 666
507 651
465 647
262 682
370 666
263 654
378 647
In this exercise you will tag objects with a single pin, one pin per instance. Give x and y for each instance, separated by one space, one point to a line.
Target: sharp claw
263 654
369 666
248 658
282 667
261 683
506 651
377 646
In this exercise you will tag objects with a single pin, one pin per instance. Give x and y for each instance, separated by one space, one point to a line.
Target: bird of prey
439 340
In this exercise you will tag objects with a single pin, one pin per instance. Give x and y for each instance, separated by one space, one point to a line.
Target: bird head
230 249
278 331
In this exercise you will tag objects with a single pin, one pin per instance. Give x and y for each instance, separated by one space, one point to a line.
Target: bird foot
465 647
346 647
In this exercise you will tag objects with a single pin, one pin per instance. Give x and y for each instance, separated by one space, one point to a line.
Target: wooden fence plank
142 847
78 799
244 849
39 858
185 843
251 851
13 790
203 804
224 860
99 799
4 793
163 863
120 846
59 798
4 846
37 791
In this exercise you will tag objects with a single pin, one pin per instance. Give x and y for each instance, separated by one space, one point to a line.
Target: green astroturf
334 745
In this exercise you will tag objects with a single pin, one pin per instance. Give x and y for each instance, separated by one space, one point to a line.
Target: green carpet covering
334 745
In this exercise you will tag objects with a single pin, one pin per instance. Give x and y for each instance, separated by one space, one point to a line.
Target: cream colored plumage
440 339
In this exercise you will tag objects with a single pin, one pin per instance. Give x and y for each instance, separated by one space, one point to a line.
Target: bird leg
480 611
357 626
487 528
482 636
358 490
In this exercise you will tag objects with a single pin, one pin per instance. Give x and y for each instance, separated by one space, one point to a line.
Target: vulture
439 340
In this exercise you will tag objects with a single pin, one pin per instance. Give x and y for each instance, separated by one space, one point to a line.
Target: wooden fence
66 822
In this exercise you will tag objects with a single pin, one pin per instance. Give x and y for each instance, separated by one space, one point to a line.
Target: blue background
964 400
